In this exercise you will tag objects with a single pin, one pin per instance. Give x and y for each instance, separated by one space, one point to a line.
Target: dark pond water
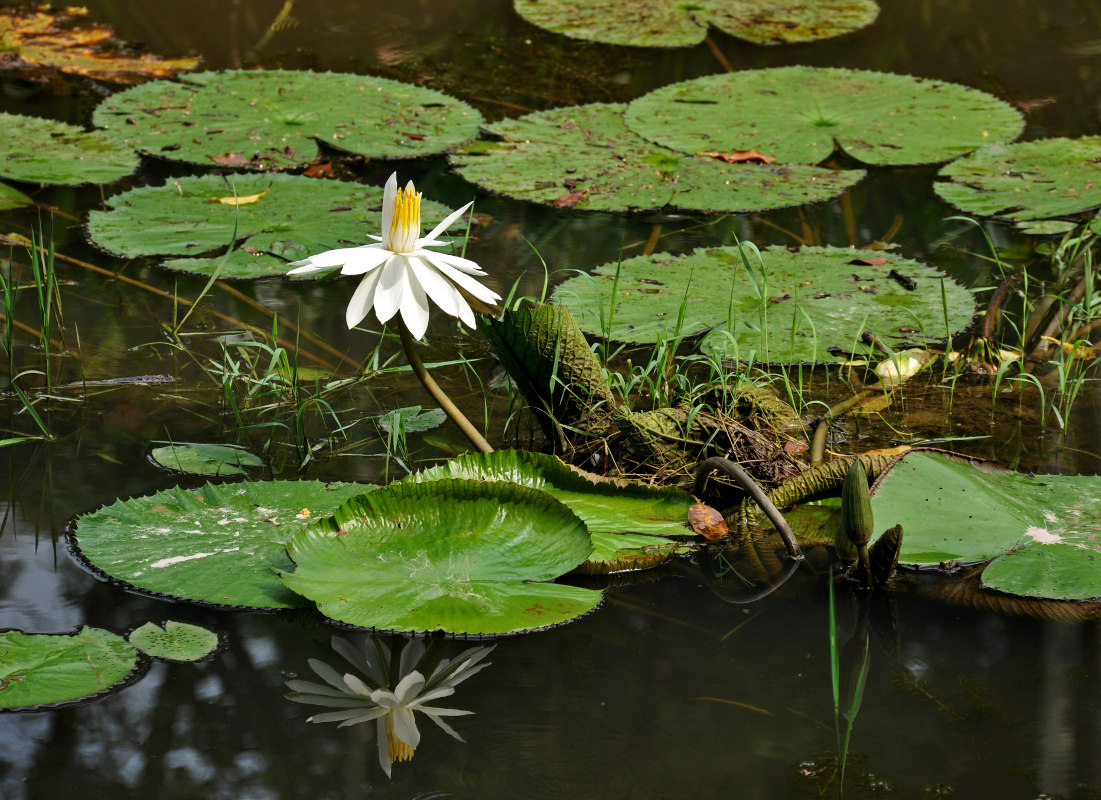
670 690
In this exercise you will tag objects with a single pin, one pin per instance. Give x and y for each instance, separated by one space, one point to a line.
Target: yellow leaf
1079 349
242 200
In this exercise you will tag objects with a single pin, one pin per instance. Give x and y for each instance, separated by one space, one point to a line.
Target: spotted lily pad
584 157
809 301
465 557
276 218
175 641
1028 180
674 23
274 119
216 544
205 459
800 114
1043 532
40 669
39 150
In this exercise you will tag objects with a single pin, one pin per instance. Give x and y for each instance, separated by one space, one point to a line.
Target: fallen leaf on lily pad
234 200
741 157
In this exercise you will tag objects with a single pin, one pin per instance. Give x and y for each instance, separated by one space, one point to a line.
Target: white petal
384 757
462 280
362 299
366 259
405 727
459 263
391 288
440 289
307 268
414 309
446 728
407 689
389 194
443 226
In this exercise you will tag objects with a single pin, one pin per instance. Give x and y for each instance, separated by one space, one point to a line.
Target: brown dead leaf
569 200
232 160
741 157
707 522
874 261
322 170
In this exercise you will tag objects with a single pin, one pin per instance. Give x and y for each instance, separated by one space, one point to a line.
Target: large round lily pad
1028 180
39 150
810 301
274 119
276 219
216 544
584 157
1043 532
42 669
800 114
465 557
675 23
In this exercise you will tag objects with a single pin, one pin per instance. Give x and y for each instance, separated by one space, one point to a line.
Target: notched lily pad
274 119
799 114
175 641
37 150
204 459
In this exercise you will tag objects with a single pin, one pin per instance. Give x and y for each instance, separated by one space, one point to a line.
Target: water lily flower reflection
376 697
399 272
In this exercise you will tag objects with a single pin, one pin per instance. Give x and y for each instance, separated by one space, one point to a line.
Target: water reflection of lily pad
276 218
674 23
465 557
585 157
1028 180
798 114
275 119
39 150
1043 531
215 544
809 300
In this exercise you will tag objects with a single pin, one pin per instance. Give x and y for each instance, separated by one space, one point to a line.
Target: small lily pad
800 114
217 545
176 641
1028 180
205 459
585 158
39 670
13 198
274 119
460 556
37 150
674 23
411 419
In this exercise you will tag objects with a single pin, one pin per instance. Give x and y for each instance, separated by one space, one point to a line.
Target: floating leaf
811 300
584 157
411 419
36 38
465 557
42 669
627 552
176 641
1043 532
39 150
12 198
274 119
1028 180
799 115
296 217
674 23
215 544
205 459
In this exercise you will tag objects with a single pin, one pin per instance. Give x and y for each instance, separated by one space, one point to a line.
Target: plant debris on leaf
39 150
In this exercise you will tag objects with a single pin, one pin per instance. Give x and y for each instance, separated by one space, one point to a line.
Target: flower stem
409 344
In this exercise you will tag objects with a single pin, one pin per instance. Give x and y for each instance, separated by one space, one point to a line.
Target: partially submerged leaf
12 198
37 150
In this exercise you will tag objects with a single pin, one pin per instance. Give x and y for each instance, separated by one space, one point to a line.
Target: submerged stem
409 344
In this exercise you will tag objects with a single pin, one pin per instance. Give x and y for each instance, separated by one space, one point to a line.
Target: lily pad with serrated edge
813 299
40 670
460 556
204 459
37 150
584 157
216 545
276 219
274 119
606 505
174 641
1026 181
1043 531
798 114
675 23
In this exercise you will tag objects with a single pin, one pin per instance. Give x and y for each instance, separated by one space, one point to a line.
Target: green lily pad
39 150
606 506
627 552
215 544
176 641
814 299
205 459
1028 180
13 198
274 119
285 218
411 419
41 669
584 157
465 557
675 23
1043 532
798 114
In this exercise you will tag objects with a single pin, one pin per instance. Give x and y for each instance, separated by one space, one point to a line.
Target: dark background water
965 702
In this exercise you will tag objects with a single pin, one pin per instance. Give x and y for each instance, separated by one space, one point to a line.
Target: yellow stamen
399 750
405 228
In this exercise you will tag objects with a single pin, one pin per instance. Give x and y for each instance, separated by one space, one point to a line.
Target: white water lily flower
399 272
